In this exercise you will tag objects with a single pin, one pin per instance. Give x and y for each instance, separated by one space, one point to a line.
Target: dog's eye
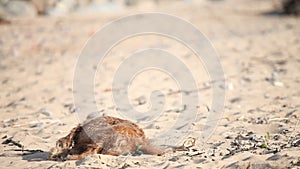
59 144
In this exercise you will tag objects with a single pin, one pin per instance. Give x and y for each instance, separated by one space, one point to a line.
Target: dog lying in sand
103 135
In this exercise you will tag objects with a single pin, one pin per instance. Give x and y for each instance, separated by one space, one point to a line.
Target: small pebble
45 112
278 83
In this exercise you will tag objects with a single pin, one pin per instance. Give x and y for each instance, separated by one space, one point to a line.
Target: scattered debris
71 107
10 141
187 144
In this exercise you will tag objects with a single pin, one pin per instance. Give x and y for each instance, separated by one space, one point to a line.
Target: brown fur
102 135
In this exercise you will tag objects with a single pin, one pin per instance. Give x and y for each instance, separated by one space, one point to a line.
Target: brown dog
103 135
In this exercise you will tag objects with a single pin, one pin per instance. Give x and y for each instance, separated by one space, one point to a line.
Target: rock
173 159
278 83
198 161
93 115
45 112
291 7
230 86
296 143
274 157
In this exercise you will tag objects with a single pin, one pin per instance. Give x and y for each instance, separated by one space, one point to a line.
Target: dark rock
274 157
198 161
296 143
291 7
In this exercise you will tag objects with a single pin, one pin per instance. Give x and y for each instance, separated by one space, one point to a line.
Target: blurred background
258 42
32 8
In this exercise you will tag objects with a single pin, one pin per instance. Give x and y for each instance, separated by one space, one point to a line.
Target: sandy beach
259 53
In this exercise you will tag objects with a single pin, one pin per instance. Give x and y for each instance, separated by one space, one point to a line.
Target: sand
259 51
